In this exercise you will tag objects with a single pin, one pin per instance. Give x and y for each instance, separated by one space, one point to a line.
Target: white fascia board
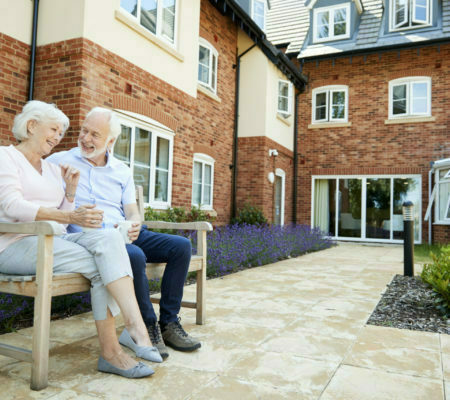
358 5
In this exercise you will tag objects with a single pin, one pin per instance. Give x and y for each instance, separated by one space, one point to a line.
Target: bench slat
15 352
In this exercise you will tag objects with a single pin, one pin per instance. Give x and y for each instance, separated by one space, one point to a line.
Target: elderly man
108 183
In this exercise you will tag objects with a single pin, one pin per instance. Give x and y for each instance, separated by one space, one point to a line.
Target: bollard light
408 238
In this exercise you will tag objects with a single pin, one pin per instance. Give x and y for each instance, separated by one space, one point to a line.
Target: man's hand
87 215
133 232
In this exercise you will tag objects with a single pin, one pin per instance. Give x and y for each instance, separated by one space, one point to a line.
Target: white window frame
252 12
280 173
439 181
409 81
203 159
287 112
159 13
329 90
157 130
331 11
410 15
212 51
364 178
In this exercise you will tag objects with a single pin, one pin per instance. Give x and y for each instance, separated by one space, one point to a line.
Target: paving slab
295 329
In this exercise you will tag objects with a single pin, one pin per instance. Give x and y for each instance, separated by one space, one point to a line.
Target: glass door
378 208
349 206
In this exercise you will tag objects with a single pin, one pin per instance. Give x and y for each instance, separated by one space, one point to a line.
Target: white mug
124 227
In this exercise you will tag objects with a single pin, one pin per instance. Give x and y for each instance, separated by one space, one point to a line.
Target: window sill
409 120
441 223
131 23
286 121
319 125
208 93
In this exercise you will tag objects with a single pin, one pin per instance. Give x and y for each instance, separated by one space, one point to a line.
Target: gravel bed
408 303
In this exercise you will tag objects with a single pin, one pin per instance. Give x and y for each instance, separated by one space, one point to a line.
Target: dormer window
158 17
258 12
331 23
409 14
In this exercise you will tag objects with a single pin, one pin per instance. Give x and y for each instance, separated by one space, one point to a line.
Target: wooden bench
45 284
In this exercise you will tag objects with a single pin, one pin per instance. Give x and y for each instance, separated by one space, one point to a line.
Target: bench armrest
192 226
33 228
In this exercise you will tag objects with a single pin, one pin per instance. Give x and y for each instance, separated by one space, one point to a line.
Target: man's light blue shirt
109 187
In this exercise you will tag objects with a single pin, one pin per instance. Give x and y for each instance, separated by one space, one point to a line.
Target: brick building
374 120
168 70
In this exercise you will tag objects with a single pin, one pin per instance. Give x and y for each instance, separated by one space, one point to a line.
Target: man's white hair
114 125
39 111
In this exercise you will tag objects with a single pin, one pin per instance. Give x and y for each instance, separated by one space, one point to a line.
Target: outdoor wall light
273 152
271 177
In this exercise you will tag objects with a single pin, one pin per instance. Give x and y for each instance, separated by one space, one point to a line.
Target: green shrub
250 215
437 275
178 214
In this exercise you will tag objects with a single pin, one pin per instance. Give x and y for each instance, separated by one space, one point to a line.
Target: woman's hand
71 177
87 215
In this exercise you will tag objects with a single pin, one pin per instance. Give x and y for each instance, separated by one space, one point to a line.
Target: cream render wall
99 21
258 97
279 129
252 89
16 18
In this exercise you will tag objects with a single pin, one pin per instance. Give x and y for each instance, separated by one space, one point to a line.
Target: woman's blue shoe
138 371
146 352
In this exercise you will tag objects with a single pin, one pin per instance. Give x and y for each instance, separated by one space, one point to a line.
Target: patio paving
295 329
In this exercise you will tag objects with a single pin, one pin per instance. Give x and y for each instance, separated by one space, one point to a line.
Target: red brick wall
441 234
369 146
254 164
79 74
14 72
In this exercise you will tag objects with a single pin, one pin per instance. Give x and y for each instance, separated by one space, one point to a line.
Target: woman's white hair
39 111
114 125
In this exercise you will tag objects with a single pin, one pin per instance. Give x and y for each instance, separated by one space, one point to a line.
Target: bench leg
42 308
201 286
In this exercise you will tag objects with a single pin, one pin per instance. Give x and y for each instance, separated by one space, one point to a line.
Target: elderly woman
33 189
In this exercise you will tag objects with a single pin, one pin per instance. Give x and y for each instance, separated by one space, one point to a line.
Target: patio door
365 208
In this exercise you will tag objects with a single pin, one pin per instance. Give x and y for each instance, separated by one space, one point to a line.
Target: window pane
420 11
162 153
168 19
206 195
321 99
325 205
399 92
321 106
419 89
123 145
378 206
149 14
258 13
214 67
338 98
283 89
444 192
405 189
197 172
142 178
161 183
142 147
283 104
197 193
130 6
340 29
207 175
203 56
399 107
322 24
401 14
349 207
338 112
419 106
203 74
340 21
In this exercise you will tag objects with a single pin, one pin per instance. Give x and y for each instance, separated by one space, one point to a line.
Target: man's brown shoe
154 331
175 336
